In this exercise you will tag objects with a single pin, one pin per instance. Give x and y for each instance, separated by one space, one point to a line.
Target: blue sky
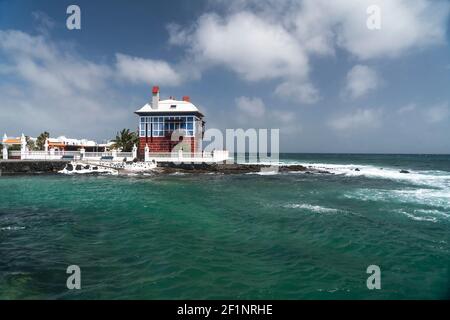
310 68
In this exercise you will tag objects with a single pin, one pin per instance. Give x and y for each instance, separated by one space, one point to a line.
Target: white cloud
268 39
407 109
251 46
299 92
139 70
437 113
42 64
360 80
48 87
43 23
359 119
252 112
342 23
252 107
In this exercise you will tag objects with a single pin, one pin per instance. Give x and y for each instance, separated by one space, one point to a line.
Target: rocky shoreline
231 168
20 167
17 167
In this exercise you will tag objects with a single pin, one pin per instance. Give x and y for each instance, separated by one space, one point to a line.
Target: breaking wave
309 207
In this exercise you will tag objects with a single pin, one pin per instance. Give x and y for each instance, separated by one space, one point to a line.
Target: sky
311 68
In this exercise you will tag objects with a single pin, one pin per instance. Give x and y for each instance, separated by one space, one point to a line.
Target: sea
295 235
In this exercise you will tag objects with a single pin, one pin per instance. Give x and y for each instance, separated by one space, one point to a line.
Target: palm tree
125 140
40 141
31 144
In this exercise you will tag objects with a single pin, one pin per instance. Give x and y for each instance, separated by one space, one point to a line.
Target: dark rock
9 167
404 171
357 169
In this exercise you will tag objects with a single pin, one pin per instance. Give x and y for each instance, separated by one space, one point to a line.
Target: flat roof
170 106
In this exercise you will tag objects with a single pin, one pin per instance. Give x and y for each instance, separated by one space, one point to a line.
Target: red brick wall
163 144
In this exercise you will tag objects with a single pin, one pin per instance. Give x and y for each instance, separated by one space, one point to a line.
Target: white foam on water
418 218
309 207
439 200
264 173
432 186
430 178
433 212
9 228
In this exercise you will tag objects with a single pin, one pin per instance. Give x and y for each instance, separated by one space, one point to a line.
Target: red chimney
186 98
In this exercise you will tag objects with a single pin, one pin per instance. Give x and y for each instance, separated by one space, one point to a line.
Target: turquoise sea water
250 236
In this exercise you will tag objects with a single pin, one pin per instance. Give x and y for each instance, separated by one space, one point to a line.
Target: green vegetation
40 141
125 140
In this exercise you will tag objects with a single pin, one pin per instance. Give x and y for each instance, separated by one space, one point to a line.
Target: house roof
12 141
170 106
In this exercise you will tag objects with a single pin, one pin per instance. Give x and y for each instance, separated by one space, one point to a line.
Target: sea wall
30 166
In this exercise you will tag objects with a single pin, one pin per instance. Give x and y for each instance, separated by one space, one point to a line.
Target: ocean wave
264 173
417 218
314 208
9 228
438 199
431 178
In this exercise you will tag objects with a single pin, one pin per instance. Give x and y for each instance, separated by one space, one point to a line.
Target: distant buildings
66 144
59 144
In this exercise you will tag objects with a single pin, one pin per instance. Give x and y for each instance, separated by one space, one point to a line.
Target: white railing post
5 152
23 146
134 151
146 153
82 153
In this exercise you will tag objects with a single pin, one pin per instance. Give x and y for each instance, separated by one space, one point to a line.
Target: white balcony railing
177 156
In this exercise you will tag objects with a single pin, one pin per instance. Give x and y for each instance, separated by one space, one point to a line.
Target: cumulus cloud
45 86
270 39
42 64
437 113
360 80
407 109
139 70
254 113
299 92
359 119
43 23
245 43
252 107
